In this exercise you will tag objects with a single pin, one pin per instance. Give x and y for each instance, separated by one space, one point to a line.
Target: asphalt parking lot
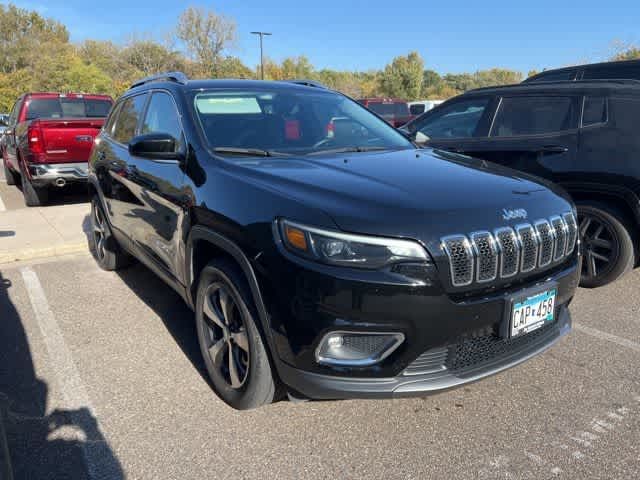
105 379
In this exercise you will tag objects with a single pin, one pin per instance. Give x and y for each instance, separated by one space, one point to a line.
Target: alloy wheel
600 246
99 228
226 335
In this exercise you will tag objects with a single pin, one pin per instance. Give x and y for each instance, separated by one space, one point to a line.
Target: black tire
33 196
9 175
103 246
608 244
238 343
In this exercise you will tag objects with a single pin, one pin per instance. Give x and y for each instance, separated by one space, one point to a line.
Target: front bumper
312 300
436 377
58 173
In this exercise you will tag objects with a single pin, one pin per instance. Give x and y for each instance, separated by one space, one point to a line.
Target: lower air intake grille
477 351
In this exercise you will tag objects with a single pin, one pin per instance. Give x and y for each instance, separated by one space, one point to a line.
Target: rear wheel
232 347
33 196
9 175
608 244
104 247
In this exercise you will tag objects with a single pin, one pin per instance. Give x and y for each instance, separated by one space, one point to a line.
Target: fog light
357 348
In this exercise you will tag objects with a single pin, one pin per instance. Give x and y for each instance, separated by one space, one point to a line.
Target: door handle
554 149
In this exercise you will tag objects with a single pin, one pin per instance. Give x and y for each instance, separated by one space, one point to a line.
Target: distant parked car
422 106
626 69
393 110
582 135
48 140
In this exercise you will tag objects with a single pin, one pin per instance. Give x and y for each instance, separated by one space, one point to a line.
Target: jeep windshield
300 122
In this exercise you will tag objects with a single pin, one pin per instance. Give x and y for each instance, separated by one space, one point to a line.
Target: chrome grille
561 237
460 255
547 242
509 251
486 252
529 246
484 256
572 232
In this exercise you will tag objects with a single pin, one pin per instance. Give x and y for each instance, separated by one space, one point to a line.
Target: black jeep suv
324 255
582 135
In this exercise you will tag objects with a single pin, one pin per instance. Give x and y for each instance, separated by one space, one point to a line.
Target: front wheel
233 350
608 244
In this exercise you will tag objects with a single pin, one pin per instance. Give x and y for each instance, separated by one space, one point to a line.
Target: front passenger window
459 120
128 117
162 117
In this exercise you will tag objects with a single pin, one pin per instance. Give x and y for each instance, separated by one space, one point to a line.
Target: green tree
630 53
206 36
403 77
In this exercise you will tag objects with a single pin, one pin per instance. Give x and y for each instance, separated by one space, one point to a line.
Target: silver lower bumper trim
52 171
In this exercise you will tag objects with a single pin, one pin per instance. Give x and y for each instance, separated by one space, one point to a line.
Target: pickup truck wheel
9 174
608 244
33 196
104 247
233 350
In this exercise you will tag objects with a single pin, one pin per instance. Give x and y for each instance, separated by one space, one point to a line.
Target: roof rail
177 77
307 83
619 81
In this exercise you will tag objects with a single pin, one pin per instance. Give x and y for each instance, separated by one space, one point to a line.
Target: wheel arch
204 244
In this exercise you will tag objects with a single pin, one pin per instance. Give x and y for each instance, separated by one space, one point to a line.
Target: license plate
531 313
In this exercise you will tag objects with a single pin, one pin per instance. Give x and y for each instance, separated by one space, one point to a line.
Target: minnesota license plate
531 313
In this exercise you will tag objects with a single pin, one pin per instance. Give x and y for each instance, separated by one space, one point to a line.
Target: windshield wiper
347 150
253 152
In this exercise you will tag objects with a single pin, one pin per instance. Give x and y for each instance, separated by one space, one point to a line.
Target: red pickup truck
48 140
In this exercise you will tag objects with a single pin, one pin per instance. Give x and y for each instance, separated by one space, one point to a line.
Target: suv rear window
67 108
389 108
552 76
417 109
534 116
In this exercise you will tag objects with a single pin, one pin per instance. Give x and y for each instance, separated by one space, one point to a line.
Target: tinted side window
417 109
128 117
162 117
594 111
613 71
533 116
459 120
108 126
562 76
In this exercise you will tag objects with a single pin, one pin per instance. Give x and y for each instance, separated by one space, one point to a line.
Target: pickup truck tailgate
67 140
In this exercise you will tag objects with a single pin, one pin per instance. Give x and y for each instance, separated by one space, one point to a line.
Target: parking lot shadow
178 319
43 445
69 195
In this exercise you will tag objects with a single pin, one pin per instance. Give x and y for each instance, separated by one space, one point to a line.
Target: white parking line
607 336
99 460
2 207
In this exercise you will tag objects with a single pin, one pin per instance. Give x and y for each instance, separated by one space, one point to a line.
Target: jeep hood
420 194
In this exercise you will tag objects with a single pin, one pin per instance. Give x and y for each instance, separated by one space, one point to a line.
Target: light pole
262 34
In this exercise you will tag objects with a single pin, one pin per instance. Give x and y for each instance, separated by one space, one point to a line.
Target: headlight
347 250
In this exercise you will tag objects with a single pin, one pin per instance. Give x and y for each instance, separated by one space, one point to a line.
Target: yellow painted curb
32 253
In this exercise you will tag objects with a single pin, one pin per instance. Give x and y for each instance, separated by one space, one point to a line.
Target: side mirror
157 146
4 121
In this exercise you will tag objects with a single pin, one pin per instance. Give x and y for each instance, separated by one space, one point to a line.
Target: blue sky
451 36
